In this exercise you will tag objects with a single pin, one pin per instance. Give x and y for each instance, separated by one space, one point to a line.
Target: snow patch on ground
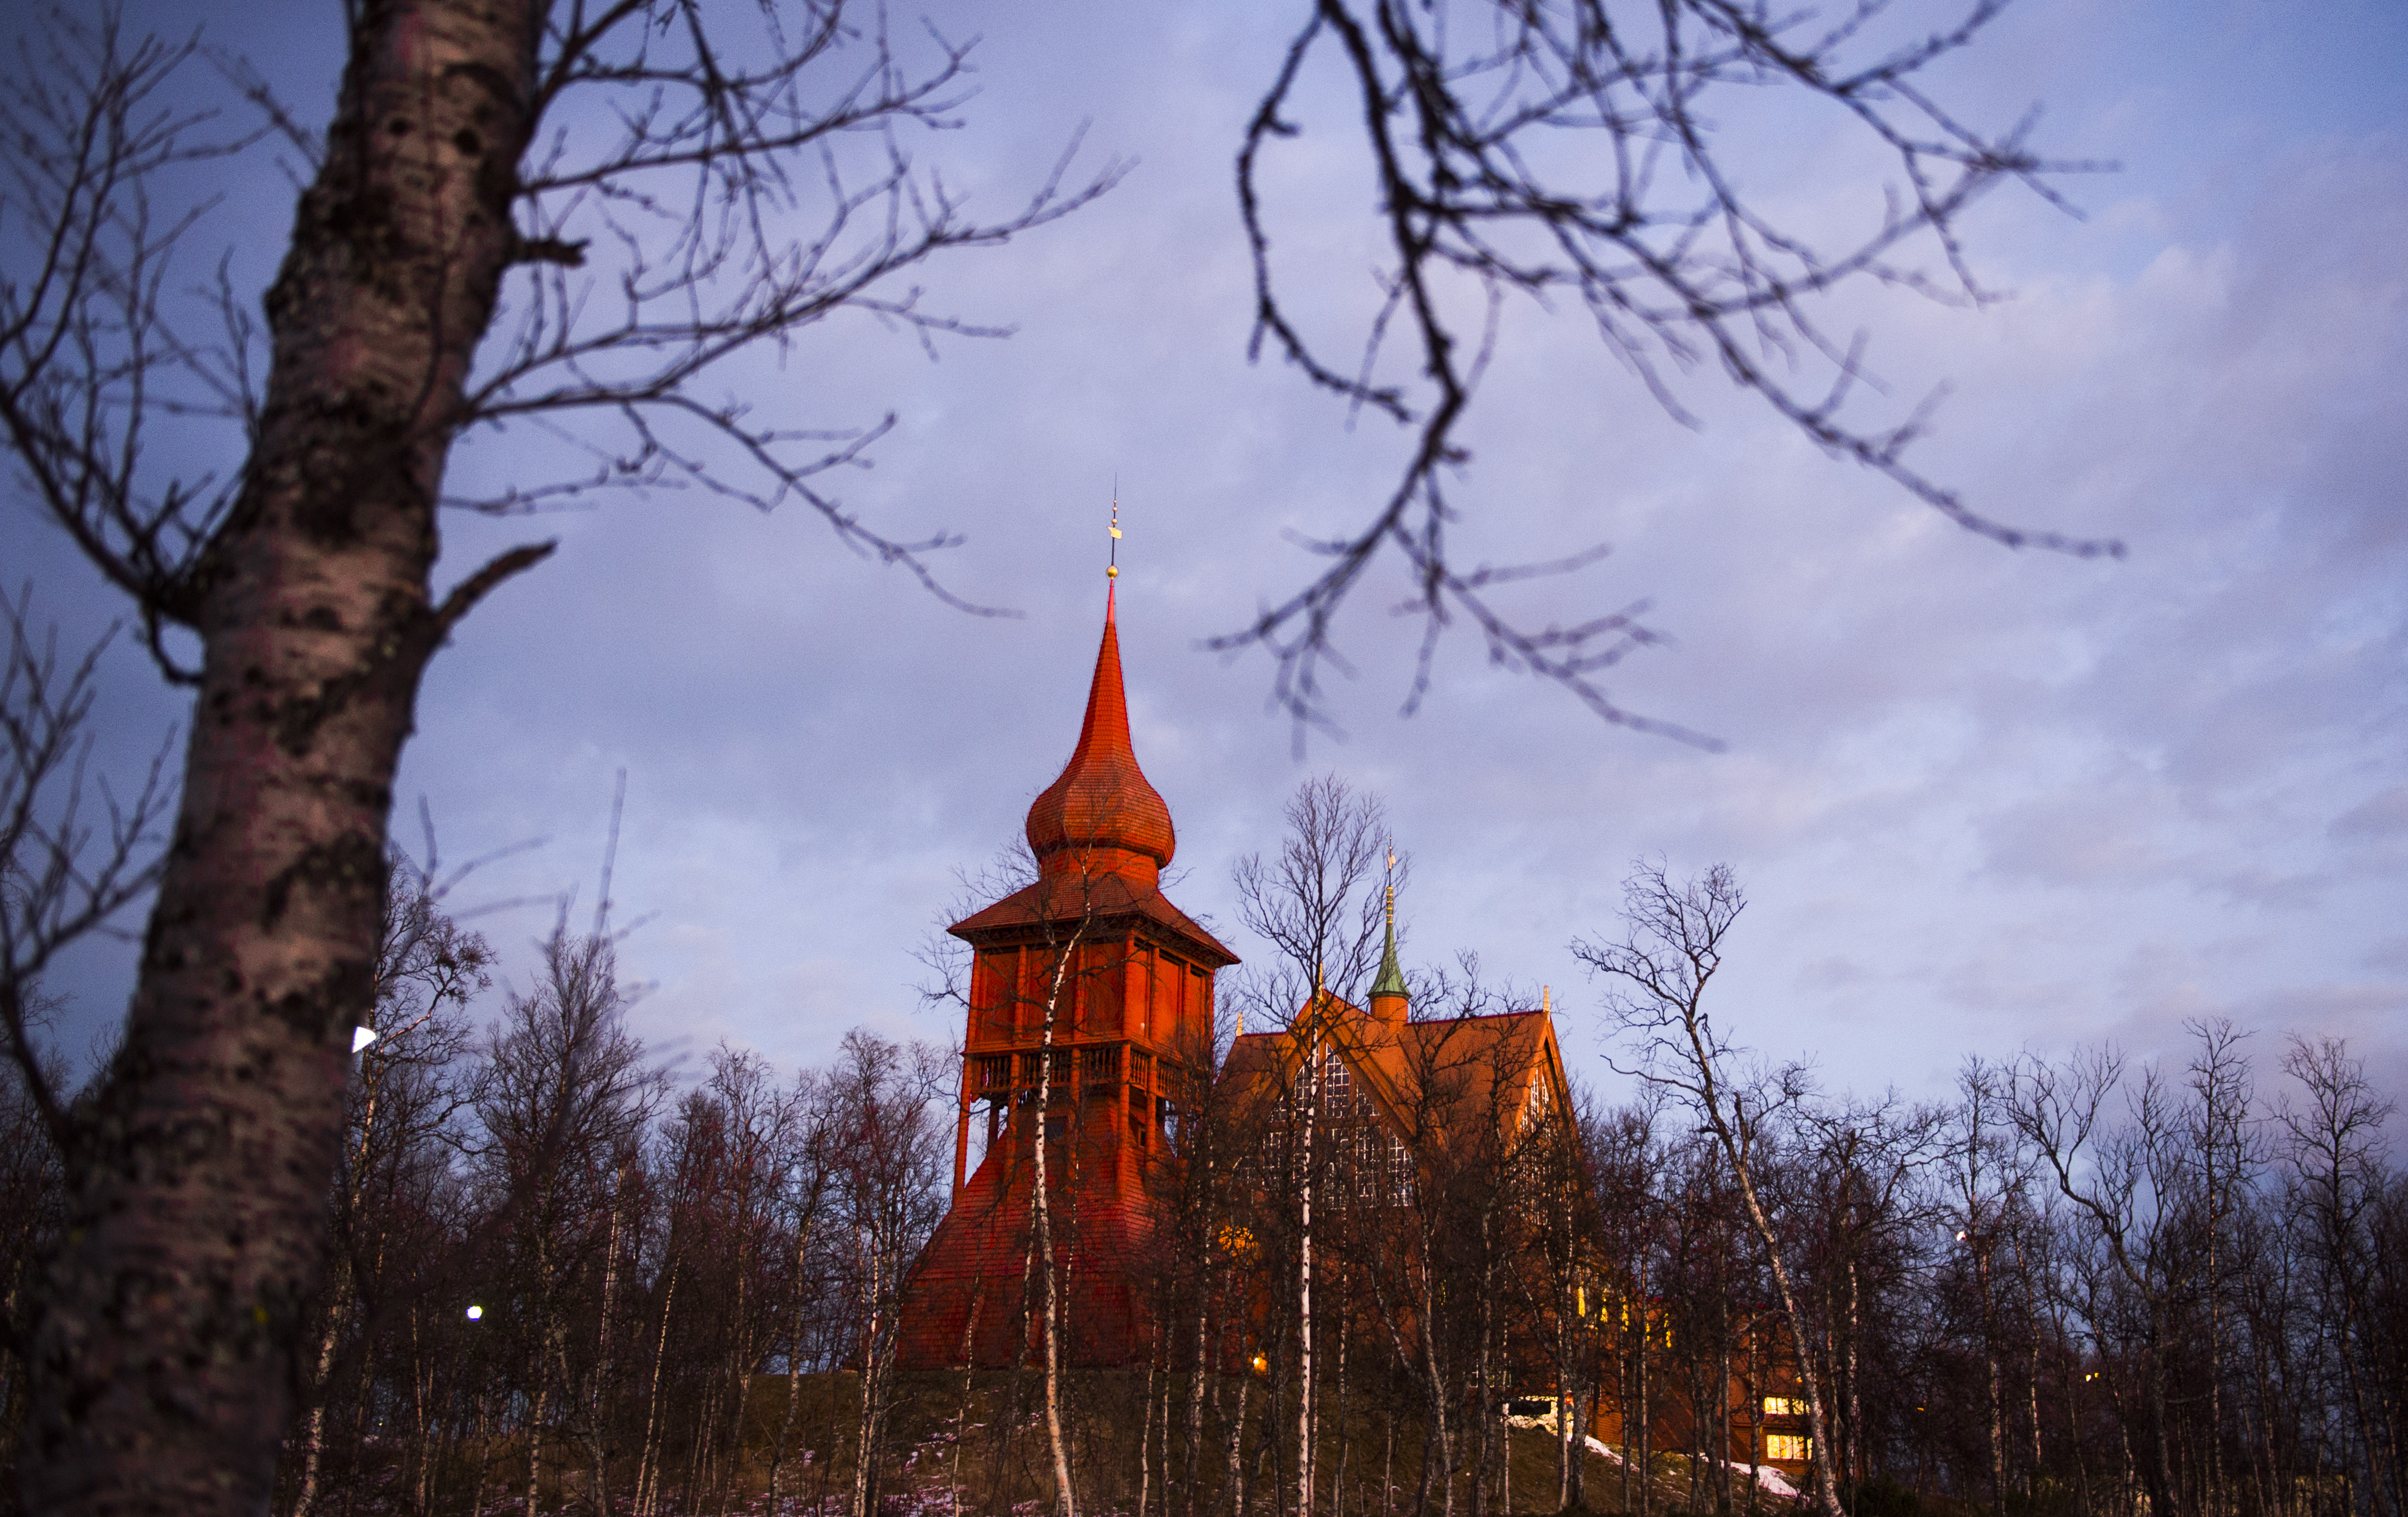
1766 1478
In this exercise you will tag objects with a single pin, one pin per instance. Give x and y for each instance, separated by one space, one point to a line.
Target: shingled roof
1456 1060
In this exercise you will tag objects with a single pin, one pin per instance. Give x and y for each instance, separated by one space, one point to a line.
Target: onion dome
1101 816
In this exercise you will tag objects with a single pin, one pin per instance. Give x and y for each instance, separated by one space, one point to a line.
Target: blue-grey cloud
1982 800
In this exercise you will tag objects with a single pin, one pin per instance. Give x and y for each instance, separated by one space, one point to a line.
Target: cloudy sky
1983 801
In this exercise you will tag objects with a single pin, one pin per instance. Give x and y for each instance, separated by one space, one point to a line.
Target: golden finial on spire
1547 1000
1112 571
1392 890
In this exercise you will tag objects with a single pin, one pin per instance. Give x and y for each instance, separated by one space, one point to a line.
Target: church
1089 1062
1090 1031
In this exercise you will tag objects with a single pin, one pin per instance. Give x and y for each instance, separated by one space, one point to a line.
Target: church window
1785 1406
1787 1448
1324 1076
1374 1167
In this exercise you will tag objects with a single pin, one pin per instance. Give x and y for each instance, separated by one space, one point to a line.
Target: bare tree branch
1569 151
63 876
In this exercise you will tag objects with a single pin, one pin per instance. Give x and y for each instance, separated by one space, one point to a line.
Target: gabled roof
1455 1060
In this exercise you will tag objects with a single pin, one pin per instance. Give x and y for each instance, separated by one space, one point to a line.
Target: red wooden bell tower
1091 1022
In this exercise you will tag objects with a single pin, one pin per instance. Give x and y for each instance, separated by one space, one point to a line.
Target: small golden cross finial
1112 571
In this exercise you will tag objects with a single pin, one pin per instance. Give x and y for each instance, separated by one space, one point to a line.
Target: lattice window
1327 1077
1372 1167
1337 1086
1400 1171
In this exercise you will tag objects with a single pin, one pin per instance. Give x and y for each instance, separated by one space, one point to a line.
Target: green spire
1391 979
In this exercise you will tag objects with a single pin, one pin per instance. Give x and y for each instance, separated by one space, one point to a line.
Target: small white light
1961 1238
362 1038
476 1313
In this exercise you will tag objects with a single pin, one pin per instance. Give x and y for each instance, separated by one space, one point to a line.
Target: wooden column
962 1131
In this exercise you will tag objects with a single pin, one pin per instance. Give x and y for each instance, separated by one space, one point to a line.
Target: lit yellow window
1785 1448
1783 1406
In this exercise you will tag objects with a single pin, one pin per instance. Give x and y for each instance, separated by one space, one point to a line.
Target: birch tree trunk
1194 1464
1484 1423
535 1442
1990 1360
1644 1442
166 1353
313 1438
1756 1404
1827 1495
962 1417
605 1379
1304 1308
865 1433
1237 1451
1436 1442
1671 953
1145 1429
1041 1208
647 1465
794 1350
1856 1449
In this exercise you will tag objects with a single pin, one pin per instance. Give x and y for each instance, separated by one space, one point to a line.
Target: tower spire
1101 816
1390 986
